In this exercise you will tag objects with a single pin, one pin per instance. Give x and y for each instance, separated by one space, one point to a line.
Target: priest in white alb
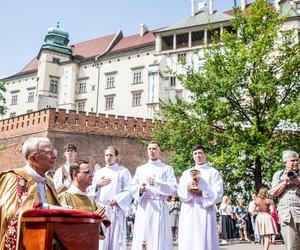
200 189
152 184
111 188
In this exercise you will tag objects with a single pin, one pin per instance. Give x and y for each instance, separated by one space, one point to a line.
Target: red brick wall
92 134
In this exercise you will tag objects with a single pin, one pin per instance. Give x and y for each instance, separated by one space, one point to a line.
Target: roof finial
57 25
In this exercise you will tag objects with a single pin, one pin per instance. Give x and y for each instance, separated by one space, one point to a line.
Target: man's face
110 156
292 164
153 151
85 175
45 157
199 156
70 155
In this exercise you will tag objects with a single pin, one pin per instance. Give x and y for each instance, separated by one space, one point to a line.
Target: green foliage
2 99
238 104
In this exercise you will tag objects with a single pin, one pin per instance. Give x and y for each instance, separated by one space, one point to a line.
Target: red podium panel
48 229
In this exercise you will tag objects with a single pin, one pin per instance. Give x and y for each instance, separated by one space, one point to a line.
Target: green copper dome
58 31
57 39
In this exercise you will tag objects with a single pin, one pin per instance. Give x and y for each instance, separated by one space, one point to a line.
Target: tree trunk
257 174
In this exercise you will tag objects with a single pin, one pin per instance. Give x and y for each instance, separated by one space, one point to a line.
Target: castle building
100 92
120 75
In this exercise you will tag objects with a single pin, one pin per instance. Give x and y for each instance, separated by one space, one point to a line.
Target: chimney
243 4
276 4
143 29
211 6
193 7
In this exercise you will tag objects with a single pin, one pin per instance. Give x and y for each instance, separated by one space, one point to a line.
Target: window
110 81
30 96
172 81
82 87
81 106
55 60
181 58
14 99
12 114
137 77
93 87
54 86
109 102
179 94
136 98
29 110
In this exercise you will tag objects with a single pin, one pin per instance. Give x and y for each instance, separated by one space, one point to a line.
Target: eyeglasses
48 153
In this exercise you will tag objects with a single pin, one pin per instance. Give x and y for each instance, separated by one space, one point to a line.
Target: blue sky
24 23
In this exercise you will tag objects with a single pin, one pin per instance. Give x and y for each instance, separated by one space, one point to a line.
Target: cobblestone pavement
237 245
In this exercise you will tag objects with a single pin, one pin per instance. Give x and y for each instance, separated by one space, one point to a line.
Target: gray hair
286 154
32 145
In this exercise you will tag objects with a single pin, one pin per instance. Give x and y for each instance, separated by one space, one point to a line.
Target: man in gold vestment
76 195
22 189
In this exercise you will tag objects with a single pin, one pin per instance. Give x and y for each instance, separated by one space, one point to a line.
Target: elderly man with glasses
22 189
286 187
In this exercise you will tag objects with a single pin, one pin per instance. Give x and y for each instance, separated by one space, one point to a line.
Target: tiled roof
134 41
82 50
201 18
92 48
31 66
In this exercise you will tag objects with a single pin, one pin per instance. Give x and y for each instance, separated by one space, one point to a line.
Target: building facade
121 75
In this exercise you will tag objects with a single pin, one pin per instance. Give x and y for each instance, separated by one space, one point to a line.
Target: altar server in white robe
152 184
197 221
111 185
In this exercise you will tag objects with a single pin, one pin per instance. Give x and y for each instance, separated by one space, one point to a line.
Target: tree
244 105
2 99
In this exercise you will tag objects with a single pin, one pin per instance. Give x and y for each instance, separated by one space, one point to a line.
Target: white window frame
109 102
110 81
181 58
81 105
53 87
172 81
14 99
82 87
136 98
137 76
30 95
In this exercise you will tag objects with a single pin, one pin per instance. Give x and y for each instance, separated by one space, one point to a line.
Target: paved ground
237 245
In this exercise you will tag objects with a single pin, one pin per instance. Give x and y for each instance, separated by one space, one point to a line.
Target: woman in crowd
265 225
242 216
227 225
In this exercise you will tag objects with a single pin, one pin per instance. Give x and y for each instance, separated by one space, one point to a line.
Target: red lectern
48 229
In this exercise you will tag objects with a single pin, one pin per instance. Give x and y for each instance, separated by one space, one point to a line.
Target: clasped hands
150 181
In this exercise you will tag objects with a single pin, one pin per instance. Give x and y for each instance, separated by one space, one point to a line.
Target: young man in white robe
152 184
111 188
62 179
197 221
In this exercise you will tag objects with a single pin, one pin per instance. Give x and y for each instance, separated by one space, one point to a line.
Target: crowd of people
150 208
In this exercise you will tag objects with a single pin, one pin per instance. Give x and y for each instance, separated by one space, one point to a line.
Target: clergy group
109 191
